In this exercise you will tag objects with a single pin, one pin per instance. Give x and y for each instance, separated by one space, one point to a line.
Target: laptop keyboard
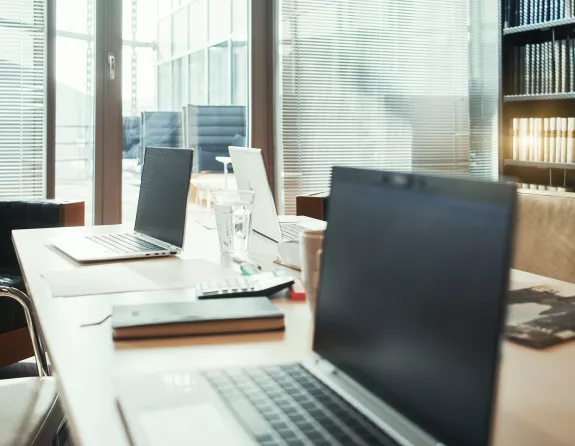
291 231
287 405
124 243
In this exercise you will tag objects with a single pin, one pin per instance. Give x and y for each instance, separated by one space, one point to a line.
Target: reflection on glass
219 75
75 121
178 98
139 87
164 8
165 87
219 21
197 79
164 39
180 37
240 73
72 15
198 24
239 18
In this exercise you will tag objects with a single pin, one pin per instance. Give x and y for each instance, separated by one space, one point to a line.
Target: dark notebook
540 317
217 316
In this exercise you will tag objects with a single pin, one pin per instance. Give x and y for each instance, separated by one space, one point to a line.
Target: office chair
30 410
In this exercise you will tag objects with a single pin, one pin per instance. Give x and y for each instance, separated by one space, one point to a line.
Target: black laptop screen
411 300
164 193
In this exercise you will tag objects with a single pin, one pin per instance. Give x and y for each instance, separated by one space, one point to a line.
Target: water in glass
234 219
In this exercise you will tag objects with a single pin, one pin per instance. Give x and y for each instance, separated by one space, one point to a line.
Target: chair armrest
37 344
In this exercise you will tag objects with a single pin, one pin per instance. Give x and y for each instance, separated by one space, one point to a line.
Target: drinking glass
234 219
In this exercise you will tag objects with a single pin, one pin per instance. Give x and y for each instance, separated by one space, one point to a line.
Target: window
198 24
219 21
377 84
219 75
180 40
164 39
197 81
22 114
240 73
165 87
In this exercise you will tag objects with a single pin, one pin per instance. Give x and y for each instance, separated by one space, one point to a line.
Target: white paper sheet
145 275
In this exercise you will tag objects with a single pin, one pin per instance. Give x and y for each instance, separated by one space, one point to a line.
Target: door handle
112 65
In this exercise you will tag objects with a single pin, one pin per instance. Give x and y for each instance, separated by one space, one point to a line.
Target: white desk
537 388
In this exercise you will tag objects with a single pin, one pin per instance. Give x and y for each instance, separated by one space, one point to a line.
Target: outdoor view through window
183 62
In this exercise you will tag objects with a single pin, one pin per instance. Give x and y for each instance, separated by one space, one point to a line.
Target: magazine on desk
540 316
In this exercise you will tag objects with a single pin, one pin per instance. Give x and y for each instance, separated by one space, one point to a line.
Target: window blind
22 76
379 84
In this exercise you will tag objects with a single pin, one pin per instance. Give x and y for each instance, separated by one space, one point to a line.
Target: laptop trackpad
186 424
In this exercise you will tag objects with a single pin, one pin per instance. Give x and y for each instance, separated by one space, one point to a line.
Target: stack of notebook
204 317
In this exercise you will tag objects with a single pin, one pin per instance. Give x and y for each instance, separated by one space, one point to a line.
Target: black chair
30 409
15 341
132 138
160 129
211 130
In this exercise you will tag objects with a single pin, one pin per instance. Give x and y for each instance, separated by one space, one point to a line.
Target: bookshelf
538 92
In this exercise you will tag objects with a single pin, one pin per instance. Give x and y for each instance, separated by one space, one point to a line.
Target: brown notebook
203 317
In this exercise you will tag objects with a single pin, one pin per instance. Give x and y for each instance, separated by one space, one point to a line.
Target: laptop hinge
325 366
161 243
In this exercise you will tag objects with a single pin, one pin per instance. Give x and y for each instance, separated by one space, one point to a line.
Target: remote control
264 284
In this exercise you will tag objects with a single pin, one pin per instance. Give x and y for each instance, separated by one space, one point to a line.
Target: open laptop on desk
160 219
251 174
407 334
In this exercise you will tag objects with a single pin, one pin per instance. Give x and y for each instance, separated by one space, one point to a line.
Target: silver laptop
250 173
160 219
407 336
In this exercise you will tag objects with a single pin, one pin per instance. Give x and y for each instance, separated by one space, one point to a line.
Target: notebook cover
197 312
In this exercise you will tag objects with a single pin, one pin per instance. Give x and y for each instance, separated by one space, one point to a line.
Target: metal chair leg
39 352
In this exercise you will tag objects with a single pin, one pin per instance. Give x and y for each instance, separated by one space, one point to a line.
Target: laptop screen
412 294
164 193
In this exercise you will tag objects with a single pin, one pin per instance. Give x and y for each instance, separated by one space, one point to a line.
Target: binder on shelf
557 71
515 139
564 70
546 139
534 73
531 154
572 63
523 142
522 73
528 70
570 139
552 138
563 158
522 12
540 140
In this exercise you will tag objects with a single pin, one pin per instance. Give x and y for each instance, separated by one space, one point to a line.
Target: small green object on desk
249 269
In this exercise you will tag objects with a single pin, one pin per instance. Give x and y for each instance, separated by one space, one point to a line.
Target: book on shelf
570 139
552 137
515 138
543 187
528 12
543 68
563 158
546 138
543 139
